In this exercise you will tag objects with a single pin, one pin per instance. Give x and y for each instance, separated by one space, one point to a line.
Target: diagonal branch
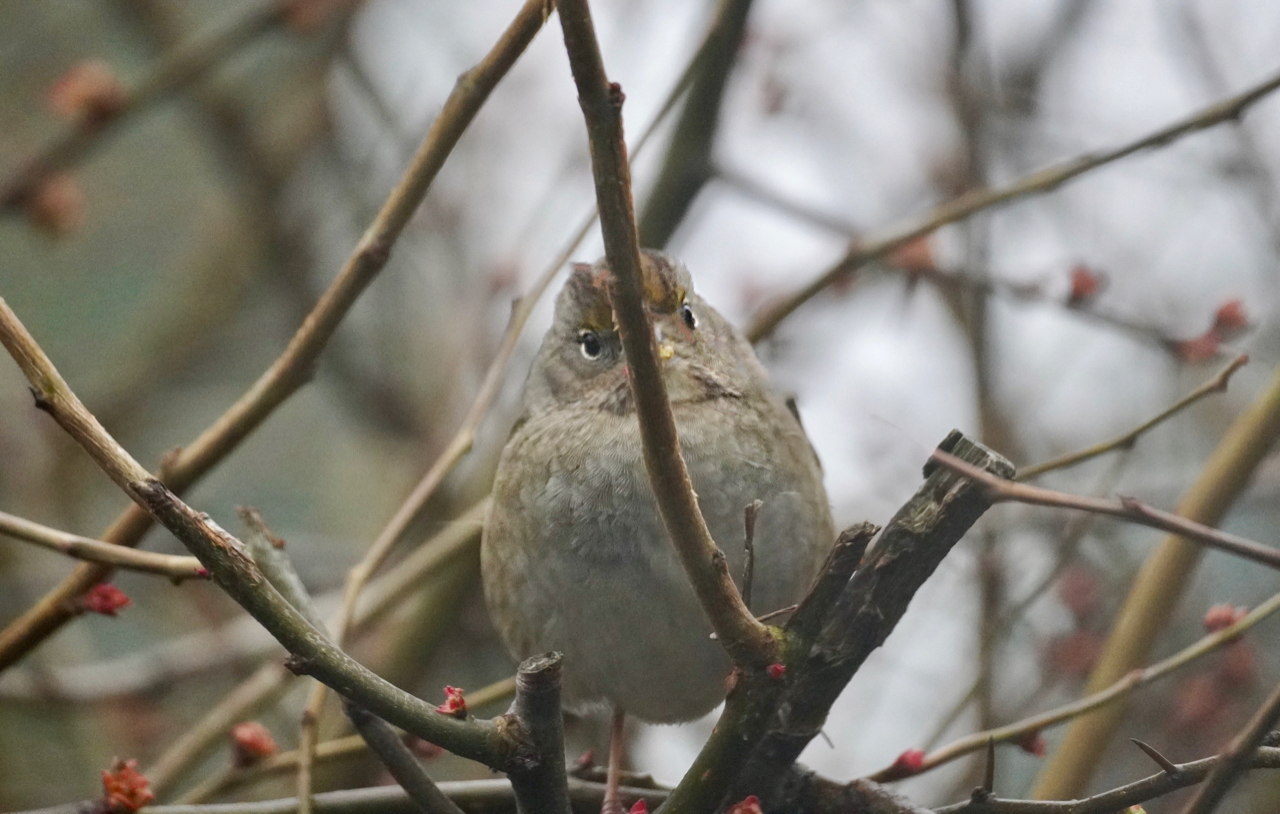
1125 508
747 641
1218 384
1117 691
294 366
1117 799
1239 755
1045 180
687 167
183 65
176 568
232 568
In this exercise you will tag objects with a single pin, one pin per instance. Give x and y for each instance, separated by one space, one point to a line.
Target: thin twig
747 641
1218 384
176 568
1116 692
1165 764
1045 180
1124 508
293 367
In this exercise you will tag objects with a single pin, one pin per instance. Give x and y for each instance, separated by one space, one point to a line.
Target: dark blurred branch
1120 690
1125 508
1044 180
174 567
688 164
1218 384
1118 799
293 368
747 641
177 69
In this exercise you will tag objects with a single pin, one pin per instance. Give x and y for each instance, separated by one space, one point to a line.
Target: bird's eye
589 342
686 313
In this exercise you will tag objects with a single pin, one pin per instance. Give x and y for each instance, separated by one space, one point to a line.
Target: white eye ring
590 345
690 318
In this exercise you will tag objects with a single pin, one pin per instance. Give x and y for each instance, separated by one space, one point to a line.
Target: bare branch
460 538
293 367
1116 692
1125 508
1045 180
176 568
747 641
1218 384
1118 799
231 567
749 515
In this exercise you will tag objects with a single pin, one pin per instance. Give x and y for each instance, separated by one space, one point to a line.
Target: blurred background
170 266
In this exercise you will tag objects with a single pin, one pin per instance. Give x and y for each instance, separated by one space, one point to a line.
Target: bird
574 554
